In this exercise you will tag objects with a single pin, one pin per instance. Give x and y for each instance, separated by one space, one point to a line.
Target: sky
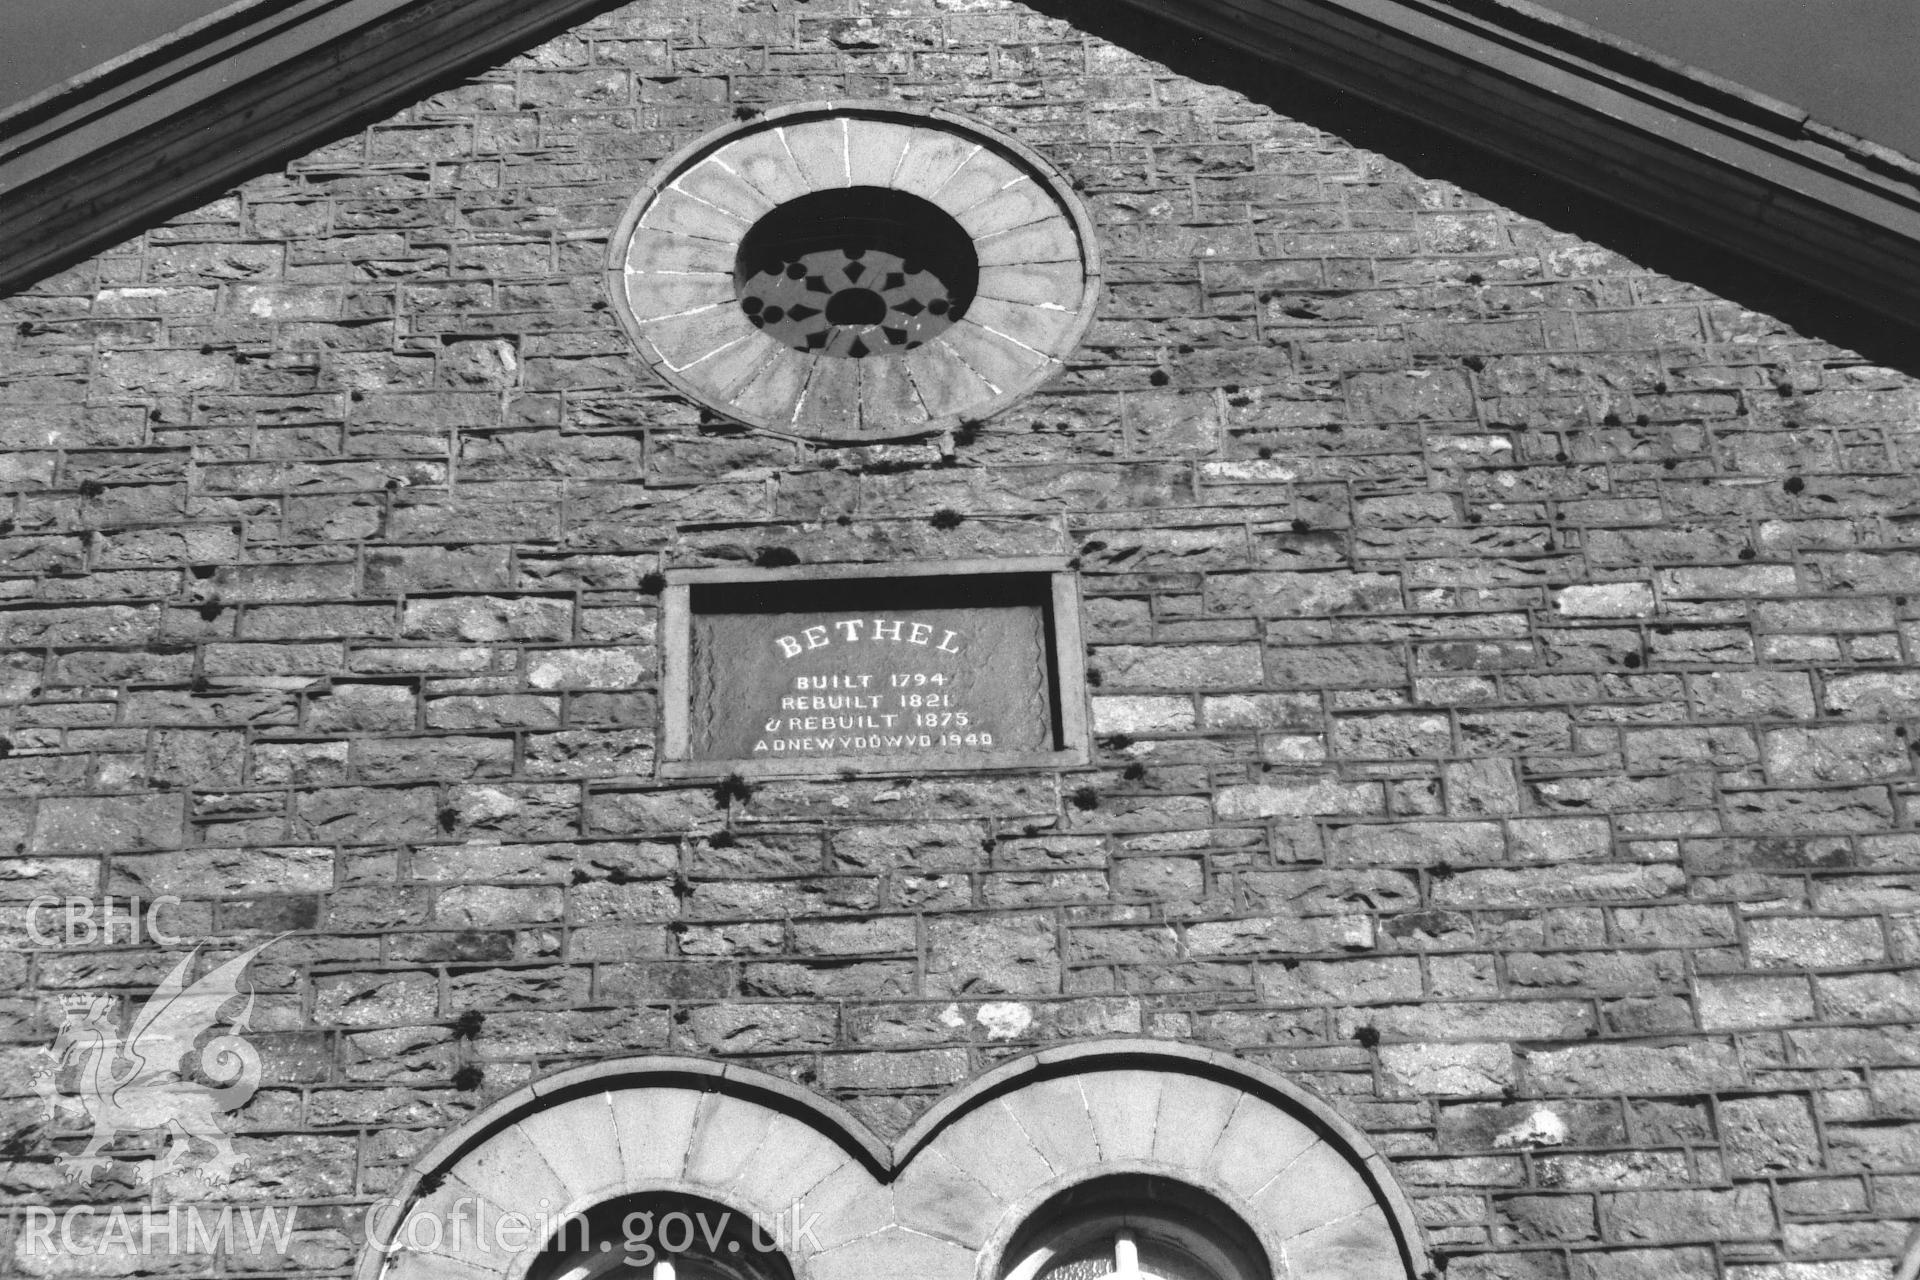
1852 63
43 42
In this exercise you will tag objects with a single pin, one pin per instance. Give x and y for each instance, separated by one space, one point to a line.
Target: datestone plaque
868 669
834 683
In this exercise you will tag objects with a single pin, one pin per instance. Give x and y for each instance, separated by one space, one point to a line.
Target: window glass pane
1089 1262
1162 1259
1140 1227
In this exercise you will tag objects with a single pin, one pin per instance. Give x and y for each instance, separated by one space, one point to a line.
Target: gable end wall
1505 664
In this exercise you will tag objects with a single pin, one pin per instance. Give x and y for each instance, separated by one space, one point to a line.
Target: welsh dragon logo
135 1082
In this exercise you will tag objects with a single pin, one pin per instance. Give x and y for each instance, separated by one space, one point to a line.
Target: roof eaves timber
175 123
1693 152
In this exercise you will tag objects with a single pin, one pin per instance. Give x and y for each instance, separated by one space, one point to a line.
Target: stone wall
1505 663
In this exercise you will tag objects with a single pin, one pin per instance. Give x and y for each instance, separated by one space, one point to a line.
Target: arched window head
1134 1227
662 1236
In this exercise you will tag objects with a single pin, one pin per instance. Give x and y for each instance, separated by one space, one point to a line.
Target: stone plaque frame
1048 582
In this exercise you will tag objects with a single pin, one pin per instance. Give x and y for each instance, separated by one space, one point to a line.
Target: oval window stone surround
674 269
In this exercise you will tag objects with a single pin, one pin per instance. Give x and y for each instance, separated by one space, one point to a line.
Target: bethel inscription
869 669
900 682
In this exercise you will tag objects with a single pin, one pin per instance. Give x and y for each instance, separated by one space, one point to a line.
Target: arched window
1134 1227
662 1236
1125 1160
